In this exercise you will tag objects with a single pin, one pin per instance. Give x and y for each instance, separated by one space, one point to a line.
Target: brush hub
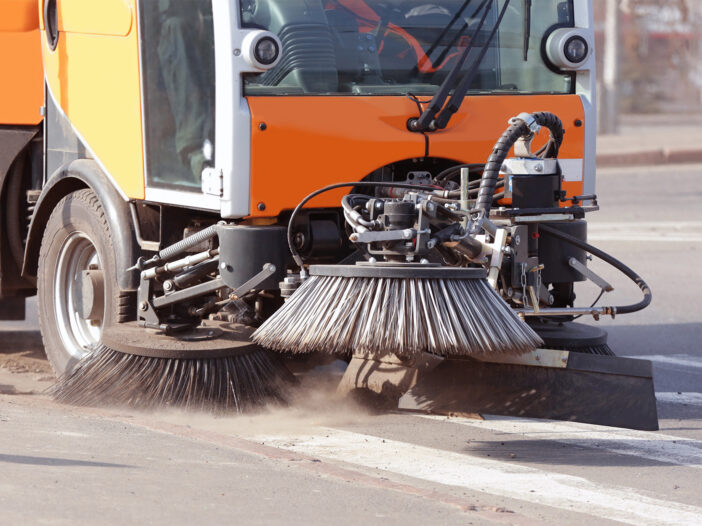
215 340
393 270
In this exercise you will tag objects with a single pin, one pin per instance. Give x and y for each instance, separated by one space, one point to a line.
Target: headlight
266 51
576 49
261 50
568 49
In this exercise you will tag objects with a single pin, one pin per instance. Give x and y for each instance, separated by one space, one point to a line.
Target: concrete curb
649 157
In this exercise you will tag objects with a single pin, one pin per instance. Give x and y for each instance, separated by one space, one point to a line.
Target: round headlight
266 51
576 49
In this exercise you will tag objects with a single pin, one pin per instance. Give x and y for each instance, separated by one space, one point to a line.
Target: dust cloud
311 404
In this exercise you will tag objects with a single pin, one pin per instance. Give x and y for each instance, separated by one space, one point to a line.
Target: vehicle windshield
395 47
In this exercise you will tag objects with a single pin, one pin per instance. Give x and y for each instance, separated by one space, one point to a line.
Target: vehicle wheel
77 287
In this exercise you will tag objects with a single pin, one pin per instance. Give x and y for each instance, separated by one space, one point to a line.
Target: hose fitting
523 125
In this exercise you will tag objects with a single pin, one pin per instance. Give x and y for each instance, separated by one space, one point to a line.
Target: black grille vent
308 55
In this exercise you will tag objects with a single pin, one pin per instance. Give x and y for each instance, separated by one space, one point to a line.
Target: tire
76 238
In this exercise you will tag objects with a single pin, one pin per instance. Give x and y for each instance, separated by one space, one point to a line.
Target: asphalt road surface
327 461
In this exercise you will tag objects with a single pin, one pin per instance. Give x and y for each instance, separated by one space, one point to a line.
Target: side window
177 47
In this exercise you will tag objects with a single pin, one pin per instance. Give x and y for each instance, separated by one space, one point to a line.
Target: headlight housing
261 50
569 48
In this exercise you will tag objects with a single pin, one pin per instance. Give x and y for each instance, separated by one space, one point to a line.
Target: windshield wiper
527 28
425 121
444 31
429 120
442 56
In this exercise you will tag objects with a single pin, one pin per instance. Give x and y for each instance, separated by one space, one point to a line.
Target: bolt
424 261
261 206
372 261
539 168
223 266
407 233
237 52
550 299
143 306
168 285
263 126
299 240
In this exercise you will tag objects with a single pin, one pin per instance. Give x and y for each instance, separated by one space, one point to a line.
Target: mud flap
556 385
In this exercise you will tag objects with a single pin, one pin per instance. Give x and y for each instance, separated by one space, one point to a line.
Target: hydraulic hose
633 276
517 129
365 184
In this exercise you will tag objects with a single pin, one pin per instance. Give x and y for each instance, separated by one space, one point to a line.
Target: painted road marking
642 444
680 398
683 360
669 231
505 479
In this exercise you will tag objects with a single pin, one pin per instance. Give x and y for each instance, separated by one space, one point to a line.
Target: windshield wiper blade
444 31
461 90
527 28
442 56
426 119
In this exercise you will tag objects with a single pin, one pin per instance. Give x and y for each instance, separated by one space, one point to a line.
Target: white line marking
680 398
642 444
566 492
670 231
683 360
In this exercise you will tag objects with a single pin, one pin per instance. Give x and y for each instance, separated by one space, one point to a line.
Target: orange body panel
18 16
94 77
22 87
310 142
480 122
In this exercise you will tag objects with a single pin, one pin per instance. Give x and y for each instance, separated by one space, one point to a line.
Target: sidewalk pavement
652 139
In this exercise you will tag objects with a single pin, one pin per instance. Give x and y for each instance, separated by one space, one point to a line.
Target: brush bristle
232 384
601 349
451 317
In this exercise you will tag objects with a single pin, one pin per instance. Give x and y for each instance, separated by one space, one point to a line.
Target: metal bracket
212 182
498 249
268 270
589 274
386 235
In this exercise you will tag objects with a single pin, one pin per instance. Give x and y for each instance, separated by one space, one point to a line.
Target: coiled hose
633 276
189 242
517 129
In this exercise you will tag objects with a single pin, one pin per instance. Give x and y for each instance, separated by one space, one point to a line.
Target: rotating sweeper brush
169 358
403 309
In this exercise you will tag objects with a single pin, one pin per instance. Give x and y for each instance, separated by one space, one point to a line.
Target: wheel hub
79 294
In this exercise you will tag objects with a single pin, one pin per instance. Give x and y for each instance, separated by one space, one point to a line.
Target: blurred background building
659 55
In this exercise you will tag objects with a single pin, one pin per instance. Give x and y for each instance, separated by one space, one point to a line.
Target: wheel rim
77 254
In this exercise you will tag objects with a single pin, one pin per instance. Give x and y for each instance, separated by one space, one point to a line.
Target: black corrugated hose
516 130
633 276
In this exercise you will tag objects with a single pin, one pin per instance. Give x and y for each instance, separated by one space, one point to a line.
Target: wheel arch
77 175
15 142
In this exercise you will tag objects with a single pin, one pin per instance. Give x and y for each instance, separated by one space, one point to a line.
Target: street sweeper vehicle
206 195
